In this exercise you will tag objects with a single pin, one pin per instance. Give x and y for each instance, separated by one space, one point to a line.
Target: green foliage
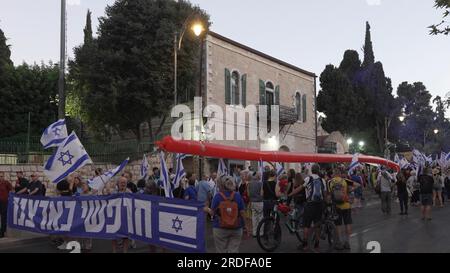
124 77
443 27
369 57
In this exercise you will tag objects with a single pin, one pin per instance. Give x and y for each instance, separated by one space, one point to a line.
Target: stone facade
222 53
86 172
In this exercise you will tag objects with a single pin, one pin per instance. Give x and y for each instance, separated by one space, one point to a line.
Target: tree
125 77
32 89
6 64
88 38
442 27
369 57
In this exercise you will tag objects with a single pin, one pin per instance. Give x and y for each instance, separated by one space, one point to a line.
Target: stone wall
86 172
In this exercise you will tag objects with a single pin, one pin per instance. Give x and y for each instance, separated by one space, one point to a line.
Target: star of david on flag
69 157
98 182
54 134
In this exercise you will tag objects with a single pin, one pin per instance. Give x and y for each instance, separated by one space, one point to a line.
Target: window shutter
262 92
304 107
244 90
227 86
277 95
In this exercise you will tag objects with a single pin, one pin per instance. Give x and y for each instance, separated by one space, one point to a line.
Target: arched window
269 94
235 90
304 107
298 105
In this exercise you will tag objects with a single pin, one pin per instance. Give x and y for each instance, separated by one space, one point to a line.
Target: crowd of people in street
236 203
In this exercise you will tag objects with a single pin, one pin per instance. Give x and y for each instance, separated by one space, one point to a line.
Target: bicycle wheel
269 234
299 233
331 233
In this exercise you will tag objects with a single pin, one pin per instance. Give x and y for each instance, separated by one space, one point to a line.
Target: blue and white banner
261 170
222 168
69 157
180 172
144 167
98 182
165 179
354 164
54 134
172 223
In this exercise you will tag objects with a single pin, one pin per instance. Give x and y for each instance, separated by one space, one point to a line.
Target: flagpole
62 63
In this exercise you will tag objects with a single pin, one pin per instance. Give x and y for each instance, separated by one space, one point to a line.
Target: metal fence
12 153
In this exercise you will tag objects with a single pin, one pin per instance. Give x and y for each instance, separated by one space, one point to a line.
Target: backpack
317 190
339 194
228 212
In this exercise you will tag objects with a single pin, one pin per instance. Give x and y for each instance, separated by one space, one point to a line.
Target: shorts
312 214
344 215
437 188
426 199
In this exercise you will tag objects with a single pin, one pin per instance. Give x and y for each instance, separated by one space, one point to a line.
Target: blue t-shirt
215 204
203 188
191 192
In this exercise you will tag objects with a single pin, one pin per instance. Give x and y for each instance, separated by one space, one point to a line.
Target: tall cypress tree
88 29
369 57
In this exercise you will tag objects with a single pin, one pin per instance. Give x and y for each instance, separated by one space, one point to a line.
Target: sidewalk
15 237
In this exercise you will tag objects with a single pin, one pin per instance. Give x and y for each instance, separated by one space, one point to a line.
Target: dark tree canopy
443 27
369 57
125 77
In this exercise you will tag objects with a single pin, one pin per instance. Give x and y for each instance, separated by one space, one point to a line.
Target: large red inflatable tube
233 152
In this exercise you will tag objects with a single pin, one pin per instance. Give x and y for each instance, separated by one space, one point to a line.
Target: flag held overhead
69 157
54 134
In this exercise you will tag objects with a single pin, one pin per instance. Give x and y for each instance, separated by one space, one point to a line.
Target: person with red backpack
228 210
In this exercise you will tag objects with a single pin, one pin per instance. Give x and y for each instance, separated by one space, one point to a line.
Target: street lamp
361 144
198 29
349 141
435 131
401 118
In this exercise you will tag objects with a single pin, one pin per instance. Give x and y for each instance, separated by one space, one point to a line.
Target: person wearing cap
227 240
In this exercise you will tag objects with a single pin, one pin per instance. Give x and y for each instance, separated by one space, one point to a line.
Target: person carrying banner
5 189
121 188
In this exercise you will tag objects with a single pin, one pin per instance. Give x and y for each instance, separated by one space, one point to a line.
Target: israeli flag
403 163
280 169
178 225
54 134
165 179
98 182
396 158
261 170
354 164
180 173
144 168
222 169
69 157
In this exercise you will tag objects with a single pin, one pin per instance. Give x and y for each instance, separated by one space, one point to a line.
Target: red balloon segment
233 152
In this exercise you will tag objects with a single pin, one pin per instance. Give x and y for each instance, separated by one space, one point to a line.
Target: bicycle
328 228
269 228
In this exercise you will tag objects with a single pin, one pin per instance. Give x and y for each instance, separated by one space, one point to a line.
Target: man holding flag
98 183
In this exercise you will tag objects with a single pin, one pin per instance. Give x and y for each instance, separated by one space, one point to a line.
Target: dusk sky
308 34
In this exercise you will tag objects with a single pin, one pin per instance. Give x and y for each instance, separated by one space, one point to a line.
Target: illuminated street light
349 141
436 131
198 29
401 118
361 143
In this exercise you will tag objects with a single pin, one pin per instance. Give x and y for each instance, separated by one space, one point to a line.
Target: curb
6 243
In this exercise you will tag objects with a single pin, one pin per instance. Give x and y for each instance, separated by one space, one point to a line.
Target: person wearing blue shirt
190 193
227 239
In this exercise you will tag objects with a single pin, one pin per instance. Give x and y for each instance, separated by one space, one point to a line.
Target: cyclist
315 188
339 189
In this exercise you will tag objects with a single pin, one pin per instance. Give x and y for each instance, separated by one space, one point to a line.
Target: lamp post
197 29
435 131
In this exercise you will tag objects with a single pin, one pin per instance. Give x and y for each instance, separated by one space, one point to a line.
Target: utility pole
62 64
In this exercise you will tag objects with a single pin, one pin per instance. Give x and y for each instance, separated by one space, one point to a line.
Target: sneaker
347 245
